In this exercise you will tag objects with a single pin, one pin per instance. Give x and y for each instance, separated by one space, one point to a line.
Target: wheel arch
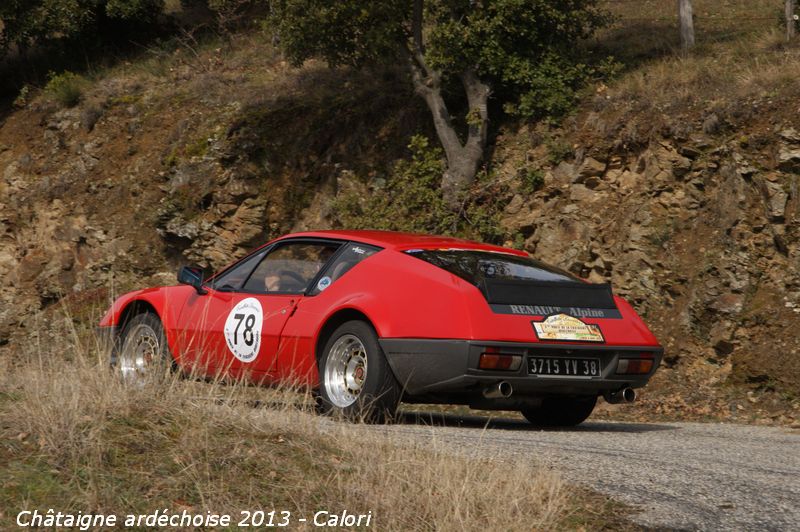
133 308
333 322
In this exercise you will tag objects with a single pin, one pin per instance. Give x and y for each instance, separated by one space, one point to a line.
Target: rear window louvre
561 294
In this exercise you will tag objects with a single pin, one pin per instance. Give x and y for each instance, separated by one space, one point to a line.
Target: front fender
166 302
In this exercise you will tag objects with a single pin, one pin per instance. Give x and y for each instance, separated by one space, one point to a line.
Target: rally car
368 319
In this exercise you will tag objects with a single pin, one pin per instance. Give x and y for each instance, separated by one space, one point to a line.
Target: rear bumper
450 368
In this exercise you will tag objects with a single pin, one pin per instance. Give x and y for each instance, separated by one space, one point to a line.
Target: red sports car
372 318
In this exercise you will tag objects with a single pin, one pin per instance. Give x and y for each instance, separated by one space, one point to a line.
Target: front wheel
561 411
143 354
355 378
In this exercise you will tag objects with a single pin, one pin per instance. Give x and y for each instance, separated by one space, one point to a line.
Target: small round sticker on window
324 283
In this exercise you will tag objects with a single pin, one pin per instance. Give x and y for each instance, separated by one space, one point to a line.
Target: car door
201 340
275 288
235 329
296 360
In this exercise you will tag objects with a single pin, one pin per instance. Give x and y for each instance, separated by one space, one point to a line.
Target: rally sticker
564 327
243 329
323 283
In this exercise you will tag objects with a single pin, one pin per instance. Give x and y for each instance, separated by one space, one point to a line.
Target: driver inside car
272 282
284 280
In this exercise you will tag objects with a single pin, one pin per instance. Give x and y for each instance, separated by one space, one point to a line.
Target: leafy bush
531 180
33 22
65 88
141 10
557 150
22 98
412 201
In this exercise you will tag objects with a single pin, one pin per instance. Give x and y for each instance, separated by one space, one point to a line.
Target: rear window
477 267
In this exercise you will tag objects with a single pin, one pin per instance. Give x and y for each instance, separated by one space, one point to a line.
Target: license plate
564 367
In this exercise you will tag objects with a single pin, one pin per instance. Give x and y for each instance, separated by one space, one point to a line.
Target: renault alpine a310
368 319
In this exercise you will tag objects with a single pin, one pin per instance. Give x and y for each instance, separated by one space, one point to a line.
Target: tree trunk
790 22
686 23
463 159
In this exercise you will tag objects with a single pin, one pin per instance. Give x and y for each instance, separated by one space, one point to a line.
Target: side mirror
193 276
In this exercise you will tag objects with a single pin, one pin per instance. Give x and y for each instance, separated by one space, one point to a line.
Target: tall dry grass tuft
426 486
753 65
73 437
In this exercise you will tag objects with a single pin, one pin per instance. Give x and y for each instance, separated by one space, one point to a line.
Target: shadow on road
498 423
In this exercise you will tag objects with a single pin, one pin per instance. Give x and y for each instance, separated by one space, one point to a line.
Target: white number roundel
243 329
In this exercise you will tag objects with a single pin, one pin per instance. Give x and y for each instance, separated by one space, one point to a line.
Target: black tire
142 353
379 392
561 411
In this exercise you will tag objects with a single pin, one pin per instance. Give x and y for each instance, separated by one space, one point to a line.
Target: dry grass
75 438
714 20
741 55
751 66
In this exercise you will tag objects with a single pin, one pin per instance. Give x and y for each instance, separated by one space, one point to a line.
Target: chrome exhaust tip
501 390
628 395
625 395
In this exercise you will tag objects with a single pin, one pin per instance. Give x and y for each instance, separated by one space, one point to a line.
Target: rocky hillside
701 234
690 207
191 155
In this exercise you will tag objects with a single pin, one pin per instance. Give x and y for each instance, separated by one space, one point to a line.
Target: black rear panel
514 284
564 294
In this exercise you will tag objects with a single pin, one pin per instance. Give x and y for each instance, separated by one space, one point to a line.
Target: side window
290 268
349 257
233 279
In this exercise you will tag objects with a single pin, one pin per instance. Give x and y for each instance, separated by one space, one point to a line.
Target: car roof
404 241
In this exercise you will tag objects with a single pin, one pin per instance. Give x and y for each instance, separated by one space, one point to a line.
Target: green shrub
138 10
65 88
557 150
28 23
412 201
22 98
531 180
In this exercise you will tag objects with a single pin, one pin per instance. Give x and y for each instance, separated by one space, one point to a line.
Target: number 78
247 333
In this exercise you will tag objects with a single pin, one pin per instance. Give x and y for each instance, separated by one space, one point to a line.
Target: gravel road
681 476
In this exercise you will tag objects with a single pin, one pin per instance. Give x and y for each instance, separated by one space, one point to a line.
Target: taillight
498 361
635 366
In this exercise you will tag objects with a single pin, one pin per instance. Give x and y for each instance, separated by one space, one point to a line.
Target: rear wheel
561 411
143 354
355 378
